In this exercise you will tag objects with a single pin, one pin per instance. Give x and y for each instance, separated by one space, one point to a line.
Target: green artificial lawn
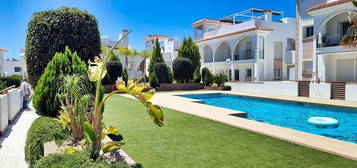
187 141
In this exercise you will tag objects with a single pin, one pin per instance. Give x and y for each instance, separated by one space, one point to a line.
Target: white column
232 71
256 72
315 61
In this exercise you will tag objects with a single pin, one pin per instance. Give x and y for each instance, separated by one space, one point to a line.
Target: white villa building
169 46
252 45
322 24
10 67
133 61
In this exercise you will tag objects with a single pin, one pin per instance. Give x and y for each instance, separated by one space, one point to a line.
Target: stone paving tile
12 143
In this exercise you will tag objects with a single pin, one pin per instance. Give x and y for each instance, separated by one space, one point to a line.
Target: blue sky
144 17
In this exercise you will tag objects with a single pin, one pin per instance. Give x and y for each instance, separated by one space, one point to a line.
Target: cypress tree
156 57
190 50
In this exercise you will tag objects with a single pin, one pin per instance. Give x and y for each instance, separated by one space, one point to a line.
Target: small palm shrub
183 69
45 101
42 130
220 79
52 30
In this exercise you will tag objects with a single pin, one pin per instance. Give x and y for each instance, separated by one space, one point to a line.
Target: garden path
12 152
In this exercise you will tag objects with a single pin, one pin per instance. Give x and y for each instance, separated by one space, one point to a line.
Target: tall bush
52 30
156 57
153 80
162 73
197 76
45 101
190 50
183 69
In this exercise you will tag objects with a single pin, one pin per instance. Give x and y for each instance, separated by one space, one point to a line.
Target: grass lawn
188 141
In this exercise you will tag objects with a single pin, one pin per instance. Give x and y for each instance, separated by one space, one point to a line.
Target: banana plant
96 72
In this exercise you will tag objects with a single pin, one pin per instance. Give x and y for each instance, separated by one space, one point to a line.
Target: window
249 72
345 27
18 69
309 31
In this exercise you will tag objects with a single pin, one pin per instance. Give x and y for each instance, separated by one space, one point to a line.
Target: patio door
236 74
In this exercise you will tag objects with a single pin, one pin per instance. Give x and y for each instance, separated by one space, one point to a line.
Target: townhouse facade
321 24
252 45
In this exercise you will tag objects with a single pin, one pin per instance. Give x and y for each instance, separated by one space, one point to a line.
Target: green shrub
171 76
154 82
162 73
197 76
227 88
208 78
45 101
183 69
42 130
52 30
189 49
11 80
125 76
220 79
2 85
204 71
156 57
75 160
115 70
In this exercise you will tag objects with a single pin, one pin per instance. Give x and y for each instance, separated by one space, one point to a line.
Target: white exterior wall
285 88
320 90
4 118
351 92
9 68
14 103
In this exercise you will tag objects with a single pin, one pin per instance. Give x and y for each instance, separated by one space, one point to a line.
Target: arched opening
223 53
207 54
243 50
330 33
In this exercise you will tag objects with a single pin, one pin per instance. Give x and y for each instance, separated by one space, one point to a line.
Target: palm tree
145 54
350 40
126 52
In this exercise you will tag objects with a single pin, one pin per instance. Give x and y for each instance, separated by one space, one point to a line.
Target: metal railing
245 55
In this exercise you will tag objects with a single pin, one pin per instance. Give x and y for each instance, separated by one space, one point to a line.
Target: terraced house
252 45
321 26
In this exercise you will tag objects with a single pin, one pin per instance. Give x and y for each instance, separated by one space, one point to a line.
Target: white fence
290 88
10 106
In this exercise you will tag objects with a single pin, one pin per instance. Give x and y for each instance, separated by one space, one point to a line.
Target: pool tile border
222 115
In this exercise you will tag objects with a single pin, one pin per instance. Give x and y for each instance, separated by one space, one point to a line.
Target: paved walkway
12 143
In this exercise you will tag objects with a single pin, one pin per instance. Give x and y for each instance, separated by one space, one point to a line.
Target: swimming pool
288 114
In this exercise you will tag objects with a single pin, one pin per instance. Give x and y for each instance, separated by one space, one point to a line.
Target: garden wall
4 118
14 103
180 86
320 90
285 88
351 92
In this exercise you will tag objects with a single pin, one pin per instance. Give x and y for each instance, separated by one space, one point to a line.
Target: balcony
290 57
331 40
229 29
245 55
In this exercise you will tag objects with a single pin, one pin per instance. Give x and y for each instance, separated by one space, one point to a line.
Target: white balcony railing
229 29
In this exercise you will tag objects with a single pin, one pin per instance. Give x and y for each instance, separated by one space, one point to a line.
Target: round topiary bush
42 130
52 30
45 99
183 69
162 73
115 70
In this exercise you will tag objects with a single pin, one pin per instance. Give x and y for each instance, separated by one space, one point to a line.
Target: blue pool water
288 114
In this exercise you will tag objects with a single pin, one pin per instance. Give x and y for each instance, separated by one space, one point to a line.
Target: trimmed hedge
183 69
77 160
42 130
162 73
45 99
11 80
51 31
